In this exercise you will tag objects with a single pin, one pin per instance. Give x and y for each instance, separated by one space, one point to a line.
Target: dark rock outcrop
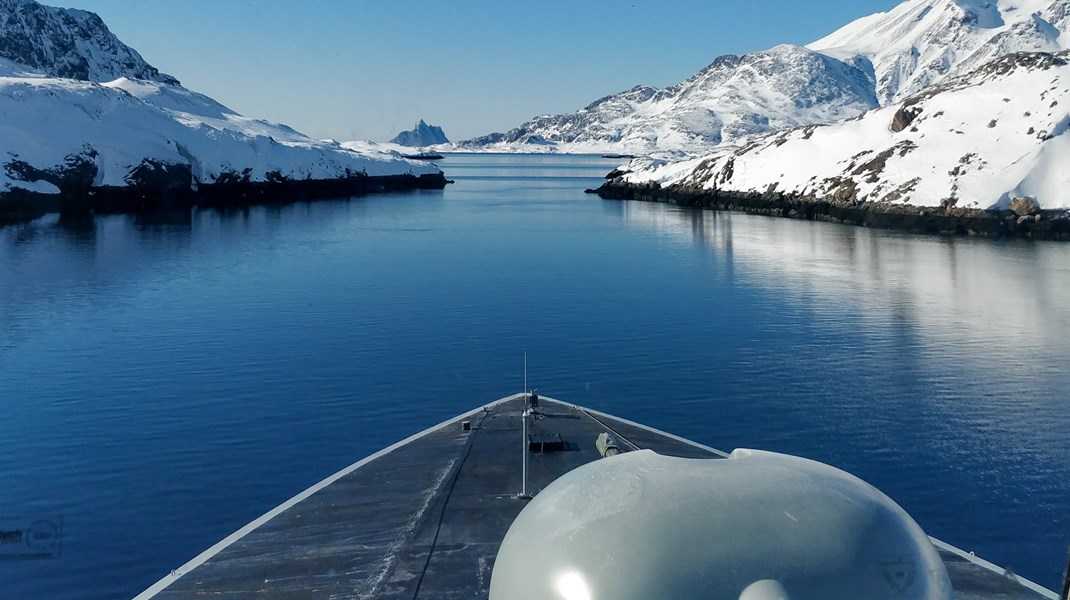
904 117
77 171
1025 206
160 186
946 220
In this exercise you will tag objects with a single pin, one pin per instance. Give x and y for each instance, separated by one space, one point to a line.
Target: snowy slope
117 126
980 140
66 132
875 61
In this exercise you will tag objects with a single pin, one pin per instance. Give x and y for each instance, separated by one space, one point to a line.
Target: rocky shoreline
1031 223
175 192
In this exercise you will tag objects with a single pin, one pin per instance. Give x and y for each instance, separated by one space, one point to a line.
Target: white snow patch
41 187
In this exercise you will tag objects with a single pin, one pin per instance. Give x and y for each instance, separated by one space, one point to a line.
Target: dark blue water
164 381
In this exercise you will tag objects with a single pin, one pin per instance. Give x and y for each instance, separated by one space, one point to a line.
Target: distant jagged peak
69 43
421 135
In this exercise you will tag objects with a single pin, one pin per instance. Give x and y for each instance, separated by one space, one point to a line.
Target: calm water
164 381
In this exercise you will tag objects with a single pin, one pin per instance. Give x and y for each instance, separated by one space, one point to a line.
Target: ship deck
424 518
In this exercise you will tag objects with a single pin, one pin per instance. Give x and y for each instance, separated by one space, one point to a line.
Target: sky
368 69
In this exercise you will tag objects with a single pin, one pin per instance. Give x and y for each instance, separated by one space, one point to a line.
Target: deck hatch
545 442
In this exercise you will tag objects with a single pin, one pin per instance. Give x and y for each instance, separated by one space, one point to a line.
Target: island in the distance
90 126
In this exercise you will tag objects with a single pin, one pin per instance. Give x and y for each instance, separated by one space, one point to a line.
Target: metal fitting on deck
607 446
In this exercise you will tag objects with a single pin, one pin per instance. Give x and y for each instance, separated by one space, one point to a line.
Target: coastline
969 222
20 206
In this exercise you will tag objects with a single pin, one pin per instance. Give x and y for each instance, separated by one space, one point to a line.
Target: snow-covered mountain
875 61
68 43
736 96
84 113
994 138
921 42
422 135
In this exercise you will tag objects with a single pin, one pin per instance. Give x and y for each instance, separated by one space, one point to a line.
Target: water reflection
62 262
162 221
975 293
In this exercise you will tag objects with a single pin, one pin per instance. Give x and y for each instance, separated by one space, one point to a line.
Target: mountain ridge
735 96
898 53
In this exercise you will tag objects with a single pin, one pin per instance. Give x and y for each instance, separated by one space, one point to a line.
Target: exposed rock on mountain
421 135
68 43
876 61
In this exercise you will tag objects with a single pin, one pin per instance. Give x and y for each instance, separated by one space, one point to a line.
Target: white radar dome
755 526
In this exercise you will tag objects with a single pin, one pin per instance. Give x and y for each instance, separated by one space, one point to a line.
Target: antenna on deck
523 495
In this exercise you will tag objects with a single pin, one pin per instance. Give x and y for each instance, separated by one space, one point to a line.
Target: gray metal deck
424 518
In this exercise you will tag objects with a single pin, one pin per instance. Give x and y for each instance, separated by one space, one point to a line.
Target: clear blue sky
366 69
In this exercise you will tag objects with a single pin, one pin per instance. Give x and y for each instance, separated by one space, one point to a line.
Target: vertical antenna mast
523 495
